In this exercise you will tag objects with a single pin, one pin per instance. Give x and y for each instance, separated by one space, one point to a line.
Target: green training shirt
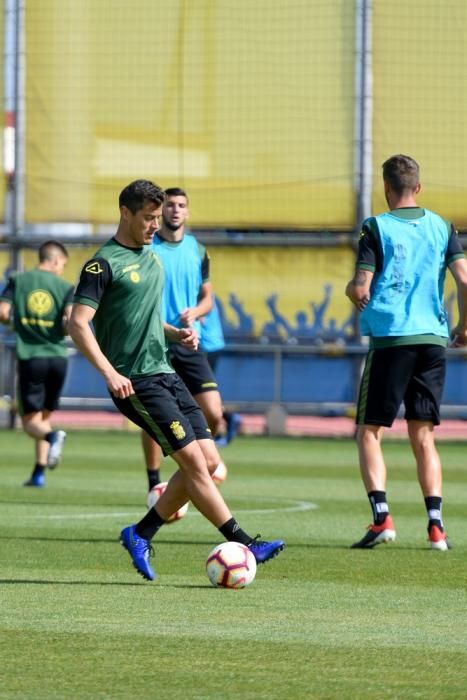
124 286
38 298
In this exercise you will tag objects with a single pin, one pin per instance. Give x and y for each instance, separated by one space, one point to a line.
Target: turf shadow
46 582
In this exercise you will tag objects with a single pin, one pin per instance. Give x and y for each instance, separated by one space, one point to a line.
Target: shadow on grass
47 582
212 543
113 540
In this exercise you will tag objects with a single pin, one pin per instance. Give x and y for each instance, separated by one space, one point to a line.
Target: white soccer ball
231 565
156 492
220 474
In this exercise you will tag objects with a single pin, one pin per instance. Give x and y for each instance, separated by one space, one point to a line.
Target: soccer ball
220 474
231 565
156 492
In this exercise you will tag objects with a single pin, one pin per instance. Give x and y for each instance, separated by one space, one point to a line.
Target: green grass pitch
320 621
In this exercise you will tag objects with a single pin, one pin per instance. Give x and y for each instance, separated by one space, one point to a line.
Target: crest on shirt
361 234
94 268
134 276
39 302
177 429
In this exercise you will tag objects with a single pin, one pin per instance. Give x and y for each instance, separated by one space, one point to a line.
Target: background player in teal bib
129 350
40 303
187 297
399 289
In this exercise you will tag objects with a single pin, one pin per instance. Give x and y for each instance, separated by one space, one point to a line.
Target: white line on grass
296 506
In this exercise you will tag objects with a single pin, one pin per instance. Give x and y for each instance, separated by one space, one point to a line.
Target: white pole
363 151
9 113
20 119
13 140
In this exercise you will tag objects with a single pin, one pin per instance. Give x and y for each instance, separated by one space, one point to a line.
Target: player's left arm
457 264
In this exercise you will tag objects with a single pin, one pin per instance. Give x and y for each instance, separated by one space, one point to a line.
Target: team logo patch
94 268
39 302
361 235
134 276
177 430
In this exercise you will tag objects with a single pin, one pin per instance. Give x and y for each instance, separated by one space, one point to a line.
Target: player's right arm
6 303
91 287
5 313
369 261
187 337
80 331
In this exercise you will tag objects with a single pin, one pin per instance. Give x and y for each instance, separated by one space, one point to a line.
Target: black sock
433 506
232 532
49 436
154 477
38 469
379 506
150 524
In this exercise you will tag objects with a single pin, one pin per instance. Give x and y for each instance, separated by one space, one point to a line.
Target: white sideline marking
296 507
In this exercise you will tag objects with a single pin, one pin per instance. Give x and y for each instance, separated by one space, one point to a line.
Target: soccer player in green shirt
39 304
120 292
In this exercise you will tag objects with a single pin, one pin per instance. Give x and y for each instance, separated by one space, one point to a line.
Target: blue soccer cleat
265 550
140 551
37 480
57 439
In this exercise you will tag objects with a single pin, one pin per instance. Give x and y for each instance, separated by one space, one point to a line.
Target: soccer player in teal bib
120 293
187 297
398 288
39 303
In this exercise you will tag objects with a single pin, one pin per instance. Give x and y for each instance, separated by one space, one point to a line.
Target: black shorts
193 367
165 409
412 374
213 359
40 381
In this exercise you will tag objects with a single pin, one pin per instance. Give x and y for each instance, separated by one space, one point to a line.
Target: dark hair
134 195
49 249
401 173
176 192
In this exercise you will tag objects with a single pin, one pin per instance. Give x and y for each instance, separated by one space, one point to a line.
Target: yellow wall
248 104
420 100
